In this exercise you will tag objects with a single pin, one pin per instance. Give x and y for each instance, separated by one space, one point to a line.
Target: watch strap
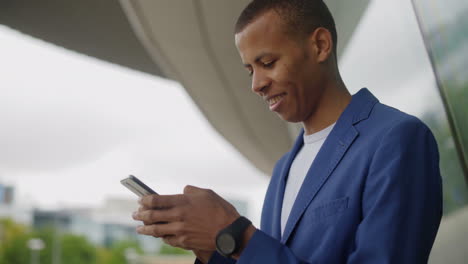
238 227
237 230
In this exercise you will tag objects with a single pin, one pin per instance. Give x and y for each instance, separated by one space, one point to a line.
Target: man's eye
268 64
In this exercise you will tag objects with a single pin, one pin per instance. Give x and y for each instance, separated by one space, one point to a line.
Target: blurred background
92 91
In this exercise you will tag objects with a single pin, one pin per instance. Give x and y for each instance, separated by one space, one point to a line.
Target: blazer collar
358 109
330 154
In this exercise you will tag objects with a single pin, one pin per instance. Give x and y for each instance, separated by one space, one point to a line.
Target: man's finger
158 216
159 230
156 201
142 208
191 189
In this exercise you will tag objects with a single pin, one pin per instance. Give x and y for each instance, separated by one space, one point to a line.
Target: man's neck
332 104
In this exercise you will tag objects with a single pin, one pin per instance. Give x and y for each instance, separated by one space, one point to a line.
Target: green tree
47 235
104 255
14 250
168 250
117 251
13 239
10 229
77 250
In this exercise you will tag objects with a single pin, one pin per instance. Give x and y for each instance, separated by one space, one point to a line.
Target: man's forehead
259 32
267 20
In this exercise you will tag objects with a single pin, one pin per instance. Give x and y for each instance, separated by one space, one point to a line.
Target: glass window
444 25
388 56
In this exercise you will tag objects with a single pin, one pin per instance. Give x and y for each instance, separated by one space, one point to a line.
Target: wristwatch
229 240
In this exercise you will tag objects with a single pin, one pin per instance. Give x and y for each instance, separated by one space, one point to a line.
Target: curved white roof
188 41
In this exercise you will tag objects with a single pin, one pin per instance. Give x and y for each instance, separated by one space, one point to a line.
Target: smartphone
137 186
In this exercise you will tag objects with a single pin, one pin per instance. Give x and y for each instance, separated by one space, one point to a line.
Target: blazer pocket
329 209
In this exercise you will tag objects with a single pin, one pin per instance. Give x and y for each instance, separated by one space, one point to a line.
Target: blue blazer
372 195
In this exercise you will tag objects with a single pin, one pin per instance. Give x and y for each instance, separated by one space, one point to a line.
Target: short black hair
302 16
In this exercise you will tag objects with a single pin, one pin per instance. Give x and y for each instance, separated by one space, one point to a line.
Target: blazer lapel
332 151
278 203
325 162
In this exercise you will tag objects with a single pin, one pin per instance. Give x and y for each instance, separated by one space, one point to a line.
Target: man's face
284 69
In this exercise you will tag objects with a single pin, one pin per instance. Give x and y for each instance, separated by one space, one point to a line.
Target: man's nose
259 83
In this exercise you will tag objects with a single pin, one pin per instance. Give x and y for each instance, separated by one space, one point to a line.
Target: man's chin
289 118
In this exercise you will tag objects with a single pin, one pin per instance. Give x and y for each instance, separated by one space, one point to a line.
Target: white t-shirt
299 168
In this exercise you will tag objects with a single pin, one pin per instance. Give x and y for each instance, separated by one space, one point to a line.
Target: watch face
226 244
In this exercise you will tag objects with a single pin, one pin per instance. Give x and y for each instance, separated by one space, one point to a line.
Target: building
102 226
9 208
6 194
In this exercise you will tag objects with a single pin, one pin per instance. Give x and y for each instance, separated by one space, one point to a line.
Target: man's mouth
275 101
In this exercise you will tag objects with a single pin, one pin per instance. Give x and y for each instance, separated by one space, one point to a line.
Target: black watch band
229 240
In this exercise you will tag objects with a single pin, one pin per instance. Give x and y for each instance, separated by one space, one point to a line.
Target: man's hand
189 221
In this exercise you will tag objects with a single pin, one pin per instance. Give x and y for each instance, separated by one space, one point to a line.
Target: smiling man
360 185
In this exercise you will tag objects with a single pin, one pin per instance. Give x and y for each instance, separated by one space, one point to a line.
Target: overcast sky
73 126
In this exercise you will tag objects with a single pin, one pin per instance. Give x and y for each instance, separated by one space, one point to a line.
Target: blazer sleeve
401 205
216 258
402 199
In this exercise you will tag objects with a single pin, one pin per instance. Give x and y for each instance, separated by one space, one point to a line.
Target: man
360 185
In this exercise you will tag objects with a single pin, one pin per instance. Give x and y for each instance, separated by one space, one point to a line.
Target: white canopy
188 41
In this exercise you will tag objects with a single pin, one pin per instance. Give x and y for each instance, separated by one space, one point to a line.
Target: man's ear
322 43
